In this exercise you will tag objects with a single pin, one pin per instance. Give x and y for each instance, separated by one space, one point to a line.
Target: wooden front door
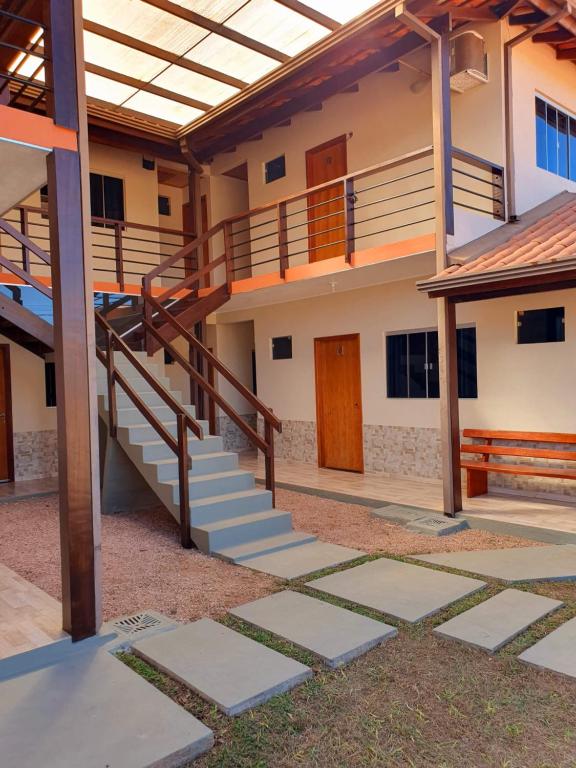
339 402
6 446
326 230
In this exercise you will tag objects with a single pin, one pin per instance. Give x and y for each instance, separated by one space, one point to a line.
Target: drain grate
139 622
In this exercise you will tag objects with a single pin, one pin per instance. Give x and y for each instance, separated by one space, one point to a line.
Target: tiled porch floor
29 618
417 492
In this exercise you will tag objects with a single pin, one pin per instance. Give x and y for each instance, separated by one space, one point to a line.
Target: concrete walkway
334 634
222 666
555 563
88 710
408 592
495 622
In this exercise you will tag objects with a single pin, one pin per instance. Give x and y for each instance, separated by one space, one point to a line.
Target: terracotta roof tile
551 239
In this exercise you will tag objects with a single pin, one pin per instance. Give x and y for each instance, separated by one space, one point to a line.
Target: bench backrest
564 438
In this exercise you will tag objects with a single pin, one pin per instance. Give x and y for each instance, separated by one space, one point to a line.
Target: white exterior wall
514 381
537 72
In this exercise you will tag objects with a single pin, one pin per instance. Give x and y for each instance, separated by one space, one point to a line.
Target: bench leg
476 483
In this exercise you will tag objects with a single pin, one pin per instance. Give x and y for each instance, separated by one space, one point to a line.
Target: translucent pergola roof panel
340 10
269 22
217 10
173 61
107 90
165 109
144 22
187 83
120 58
232 59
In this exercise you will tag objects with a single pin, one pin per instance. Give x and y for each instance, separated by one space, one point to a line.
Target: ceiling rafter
161 53
142 85
219 29
311 14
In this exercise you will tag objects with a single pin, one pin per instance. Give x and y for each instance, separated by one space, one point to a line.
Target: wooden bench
477 469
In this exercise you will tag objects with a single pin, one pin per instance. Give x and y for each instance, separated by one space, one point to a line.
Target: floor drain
128 626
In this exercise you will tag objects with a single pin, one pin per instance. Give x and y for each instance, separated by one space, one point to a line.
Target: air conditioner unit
468 61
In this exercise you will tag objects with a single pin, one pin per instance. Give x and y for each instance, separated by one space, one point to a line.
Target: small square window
282 348
275 169
540 326
163 205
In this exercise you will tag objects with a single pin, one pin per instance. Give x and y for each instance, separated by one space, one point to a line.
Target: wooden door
6 445
326 230
339 402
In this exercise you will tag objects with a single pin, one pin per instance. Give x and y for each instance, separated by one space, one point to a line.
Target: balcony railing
22 60
123 252
369 209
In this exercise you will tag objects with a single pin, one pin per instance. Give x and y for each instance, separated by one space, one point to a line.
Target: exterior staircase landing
230 517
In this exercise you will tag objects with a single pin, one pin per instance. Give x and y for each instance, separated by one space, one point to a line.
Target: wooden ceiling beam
219 29
503 10
527 19
566 54
100 132
160 53
141 85
311 14
462 13
554 36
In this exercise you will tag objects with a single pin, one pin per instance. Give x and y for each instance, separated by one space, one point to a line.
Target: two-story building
292 185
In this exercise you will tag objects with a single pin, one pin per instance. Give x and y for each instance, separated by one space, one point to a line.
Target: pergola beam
161 53
311 13
141 85
219 29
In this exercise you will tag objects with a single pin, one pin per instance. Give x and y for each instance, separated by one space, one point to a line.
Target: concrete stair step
205 464
131 415
240 530
157 450
259 547
218 482
148 396
229 506
143 431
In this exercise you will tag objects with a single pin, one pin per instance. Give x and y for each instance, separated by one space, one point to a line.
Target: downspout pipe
557 15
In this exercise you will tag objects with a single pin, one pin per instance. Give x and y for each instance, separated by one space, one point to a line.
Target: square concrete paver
334 634
554 563
408 592
295 562
557 651
499 620
222 666
91 711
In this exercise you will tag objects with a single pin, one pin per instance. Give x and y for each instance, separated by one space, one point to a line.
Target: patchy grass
418 701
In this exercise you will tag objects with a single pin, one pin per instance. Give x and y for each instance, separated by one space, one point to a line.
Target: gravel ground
144 566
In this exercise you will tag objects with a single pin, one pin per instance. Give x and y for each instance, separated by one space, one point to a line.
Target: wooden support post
211 404
74 343
183 487
269 459
349 201
447 344
444 204
118 227
282 239
24 230
200 333
229 253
